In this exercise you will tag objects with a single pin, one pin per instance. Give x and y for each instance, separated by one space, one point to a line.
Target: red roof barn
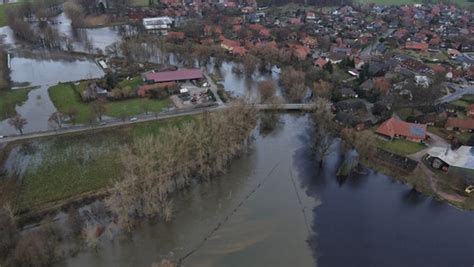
174 76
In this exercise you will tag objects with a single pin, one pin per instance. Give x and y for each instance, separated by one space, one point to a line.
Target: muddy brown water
277 207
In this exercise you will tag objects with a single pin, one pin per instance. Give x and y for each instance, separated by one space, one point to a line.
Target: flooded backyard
42 73
276 207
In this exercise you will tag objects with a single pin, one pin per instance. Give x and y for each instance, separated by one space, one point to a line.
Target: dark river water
276 207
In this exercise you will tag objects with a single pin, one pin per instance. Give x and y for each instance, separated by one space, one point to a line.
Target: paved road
114 123
214 89
435 141
460 92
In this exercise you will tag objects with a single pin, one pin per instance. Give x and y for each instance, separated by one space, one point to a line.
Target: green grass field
400 146
3 14
61 167
9 99
65 97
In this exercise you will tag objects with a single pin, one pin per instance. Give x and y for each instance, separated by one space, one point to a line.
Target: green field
9 99
65 97
57 168
3 15
400 146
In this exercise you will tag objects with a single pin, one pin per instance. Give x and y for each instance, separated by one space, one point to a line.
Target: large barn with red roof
396 128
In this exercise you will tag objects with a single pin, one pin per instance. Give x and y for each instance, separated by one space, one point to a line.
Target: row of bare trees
156 165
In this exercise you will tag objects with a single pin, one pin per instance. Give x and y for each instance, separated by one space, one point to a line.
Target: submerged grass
10 99
73 164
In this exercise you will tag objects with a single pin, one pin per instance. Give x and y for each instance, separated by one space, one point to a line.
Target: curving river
276 207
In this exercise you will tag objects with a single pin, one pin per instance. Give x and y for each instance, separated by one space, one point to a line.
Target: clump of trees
18 122
154 166
294 83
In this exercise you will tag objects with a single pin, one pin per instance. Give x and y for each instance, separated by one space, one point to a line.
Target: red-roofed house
382 84
417 46
300 52
321 62
460 124
396 128
470 110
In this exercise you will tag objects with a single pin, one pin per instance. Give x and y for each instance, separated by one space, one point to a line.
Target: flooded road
276 207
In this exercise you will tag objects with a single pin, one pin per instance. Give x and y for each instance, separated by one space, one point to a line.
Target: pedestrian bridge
286 107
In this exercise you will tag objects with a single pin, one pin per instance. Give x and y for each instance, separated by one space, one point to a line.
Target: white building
158 23
441 157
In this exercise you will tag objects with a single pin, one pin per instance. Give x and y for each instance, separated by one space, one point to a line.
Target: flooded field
43 73
276 207
48 72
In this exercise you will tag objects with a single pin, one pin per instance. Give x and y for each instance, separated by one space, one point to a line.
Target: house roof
416 46
470 109
460 123
321 62
176 75
463 157
395 126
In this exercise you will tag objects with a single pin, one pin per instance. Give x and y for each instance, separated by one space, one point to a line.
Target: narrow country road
111 124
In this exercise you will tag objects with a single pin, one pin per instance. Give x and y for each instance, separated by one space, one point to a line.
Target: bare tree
267 90
57 118
155 166
294 83
324 128
99 108
18 122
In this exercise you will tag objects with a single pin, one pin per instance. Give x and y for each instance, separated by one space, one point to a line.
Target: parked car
469 189
133 119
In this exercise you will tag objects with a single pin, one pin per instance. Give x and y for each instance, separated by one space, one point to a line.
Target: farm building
396 128
183 75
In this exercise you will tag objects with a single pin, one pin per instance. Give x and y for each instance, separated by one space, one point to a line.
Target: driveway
435 141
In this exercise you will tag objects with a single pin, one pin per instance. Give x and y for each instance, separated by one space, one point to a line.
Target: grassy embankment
11 98
59 168
65 97
400 146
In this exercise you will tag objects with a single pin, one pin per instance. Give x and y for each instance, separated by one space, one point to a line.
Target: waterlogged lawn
400 146
65 97
10 99
59 168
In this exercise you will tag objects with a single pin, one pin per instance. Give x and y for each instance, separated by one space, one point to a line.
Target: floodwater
276 207
241 85
44 73
51 72
99 38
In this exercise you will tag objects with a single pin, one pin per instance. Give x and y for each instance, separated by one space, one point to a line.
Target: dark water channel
276 207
